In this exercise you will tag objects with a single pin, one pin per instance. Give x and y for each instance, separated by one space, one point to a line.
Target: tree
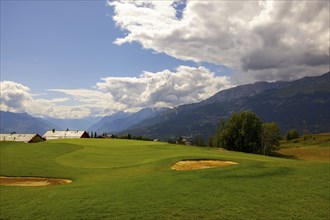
242 132
214 141
171 141
199 141
114 136
292 134
270 136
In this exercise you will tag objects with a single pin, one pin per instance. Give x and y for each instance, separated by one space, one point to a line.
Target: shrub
292 134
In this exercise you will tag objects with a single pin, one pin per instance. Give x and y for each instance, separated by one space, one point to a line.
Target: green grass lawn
122 179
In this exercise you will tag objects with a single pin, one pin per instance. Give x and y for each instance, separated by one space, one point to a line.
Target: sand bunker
31 181
200 164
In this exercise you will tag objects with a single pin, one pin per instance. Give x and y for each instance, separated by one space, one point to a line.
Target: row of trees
93 134
128 136
247 133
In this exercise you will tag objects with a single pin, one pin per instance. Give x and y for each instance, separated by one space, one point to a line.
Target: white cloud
262 40
16 97
165 88
113 94
97 102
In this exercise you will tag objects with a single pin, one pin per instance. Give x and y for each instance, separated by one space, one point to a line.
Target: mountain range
303 104
123 120
72 124
23 123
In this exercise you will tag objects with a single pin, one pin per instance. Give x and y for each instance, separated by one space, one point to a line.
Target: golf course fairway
126 179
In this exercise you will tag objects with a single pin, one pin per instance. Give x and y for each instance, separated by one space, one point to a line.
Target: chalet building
53 134
27 138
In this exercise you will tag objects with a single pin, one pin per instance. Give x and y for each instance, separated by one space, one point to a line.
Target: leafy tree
242 132
215 140
270 136
292 134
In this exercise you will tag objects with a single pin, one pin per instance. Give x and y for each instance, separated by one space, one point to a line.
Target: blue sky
75 59
68 44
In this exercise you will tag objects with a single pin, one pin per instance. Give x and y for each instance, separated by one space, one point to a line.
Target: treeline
132 137
243 132
125 136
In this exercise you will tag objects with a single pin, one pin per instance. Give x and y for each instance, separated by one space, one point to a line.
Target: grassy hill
307 147
124 179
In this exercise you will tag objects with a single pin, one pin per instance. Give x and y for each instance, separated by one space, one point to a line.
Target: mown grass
121 179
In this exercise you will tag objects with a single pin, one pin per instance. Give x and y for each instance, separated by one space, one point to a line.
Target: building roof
17 137
49 135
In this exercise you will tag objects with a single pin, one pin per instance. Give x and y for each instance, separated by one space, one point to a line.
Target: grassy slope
122 179
308 147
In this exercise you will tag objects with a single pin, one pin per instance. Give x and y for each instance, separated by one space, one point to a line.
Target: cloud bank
165 88
16 97
261 40
112 94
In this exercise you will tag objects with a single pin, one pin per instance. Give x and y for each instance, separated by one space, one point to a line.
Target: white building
27 138
53 134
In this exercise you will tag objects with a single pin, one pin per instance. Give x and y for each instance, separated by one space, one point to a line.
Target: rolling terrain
306 147
121 179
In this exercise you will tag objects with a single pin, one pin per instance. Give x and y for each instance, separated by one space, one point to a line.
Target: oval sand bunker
200 164
31 181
